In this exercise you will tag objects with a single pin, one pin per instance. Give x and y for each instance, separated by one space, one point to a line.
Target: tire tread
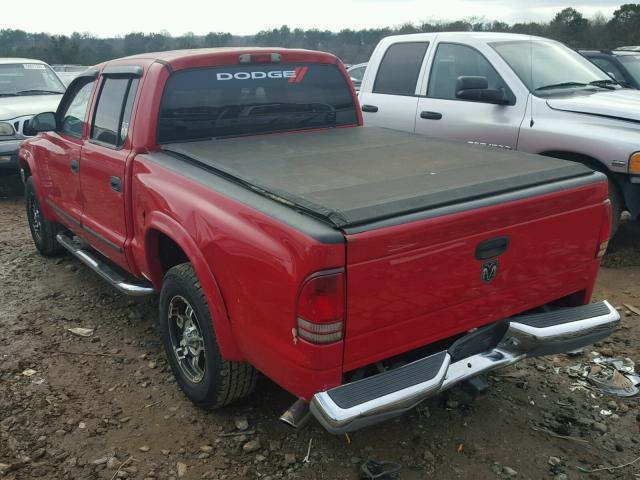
237 379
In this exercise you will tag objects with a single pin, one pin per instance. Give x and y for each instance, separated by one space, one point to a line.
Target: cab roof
483 37
9 60
201 57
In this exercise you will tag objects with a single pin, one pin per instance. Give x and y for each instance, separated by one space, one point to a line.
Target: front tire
615 198
190 343
43 231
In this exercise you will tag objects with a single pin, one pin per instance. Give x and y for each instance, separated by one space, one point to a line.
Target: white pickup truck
509 91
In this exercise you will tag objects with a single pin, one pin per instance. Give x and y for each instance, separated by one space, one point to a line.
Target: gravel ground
106 406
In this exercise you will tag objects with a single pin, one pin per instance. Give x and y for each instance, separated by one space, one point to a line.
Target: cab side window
400 67
73 116
113 111
452 61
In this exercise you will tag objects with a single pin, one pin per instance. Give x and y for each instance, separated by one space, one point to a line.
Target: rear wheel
43 231
192 350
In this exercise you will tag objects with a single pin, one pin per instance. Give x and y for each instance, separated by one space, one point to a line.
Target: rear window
399 70
245 100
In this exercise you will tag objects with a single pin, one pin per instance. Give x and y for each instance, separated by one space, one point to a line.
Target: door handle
115 183
75 166
369 108
430 115
492 248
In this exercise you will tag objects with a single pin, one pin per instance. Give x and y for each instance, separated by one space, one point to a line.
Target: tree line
352 46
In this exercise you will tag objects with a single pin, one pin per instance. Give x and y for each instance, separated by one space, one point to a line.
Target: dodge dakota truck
509 91
361 269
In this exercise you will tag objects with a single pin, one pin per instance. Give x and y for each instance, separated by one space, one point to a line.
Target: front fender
27 162
160 222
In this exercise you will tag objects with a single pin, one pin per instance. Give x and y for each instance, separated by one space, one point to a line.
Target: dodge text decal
294 76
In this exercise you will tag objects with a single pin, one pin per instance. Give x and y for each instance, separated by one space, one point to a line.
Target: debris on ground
631 308
607 469
383 470
81 332
614 376
307 459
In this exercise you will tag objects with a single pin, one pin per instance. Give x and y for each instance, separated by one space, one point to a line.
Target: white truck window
453 61
398 72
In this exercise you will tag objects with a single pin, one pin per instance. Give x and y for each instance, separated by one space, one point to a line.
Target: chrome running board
121 281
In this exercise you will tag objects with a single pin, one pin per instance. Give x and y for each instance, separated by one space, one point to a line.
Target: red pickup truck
361 269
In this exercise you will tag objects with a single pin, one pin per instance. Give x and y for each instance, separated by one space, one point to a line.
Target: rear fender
157 221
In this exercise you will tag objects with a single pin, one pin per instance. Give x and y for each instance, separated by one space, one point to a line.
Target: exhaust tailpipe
297 415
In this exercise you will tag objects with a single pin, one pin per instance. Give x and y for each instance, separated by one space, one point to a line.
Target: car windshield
251 99
28 79
632 64
547 67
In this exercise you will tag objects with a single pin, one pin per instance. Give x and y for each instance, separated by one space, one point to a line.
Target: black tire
616 207
43 231
204 376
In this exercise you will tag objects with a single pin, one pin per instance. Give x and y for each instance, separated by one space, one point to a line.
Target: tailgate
417 282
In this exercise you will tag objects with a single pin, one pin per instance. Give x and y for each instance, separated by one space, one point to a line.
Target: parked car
621 65
630 48
27 87
67 73
320 258
508 91
356 72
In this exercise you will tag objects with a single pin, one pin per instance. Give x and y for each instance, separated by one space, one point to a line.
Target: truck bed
354 176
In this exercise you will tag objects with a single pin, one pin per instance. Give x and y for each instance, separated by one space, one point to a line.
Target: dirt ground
107 406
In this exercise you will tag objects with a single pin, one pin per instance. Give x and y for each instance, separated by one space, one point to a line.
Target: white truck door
441 113
388 94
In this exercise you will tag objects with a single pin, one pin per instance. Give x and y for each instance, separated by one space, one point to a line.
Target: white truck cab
511 92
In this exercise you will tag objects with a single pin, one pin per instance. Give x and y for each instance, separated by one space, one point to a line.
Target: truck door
62 162
388 98
441 114
102 170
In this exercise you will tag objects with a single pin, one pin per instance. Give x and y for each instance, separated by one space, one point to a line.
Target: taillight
259 58
320 315
605 230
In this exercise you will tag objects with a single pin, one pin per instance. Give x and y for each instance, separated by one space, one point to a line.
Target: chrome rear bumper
371 400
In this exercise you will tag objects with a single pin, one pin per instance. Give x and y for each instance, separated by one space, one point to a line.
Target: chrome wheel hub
36 218
186 339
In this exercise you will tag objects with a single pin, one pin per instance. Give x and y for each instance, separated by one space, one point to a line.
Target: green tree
570 27
625 25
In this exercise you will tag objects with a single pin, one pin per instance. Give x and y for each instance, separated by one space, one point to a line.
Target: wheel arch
590 162
26 164
163 233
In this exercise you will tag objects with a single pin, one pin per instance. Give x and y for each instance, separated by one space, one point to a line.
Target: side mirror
43 122
477 89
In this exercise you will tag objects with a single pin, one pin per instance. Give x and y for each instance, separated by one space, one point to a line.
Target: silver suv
509 91
27 87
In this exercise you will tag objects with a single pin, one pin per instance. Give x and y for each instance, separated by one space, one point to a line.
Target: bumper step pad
374 399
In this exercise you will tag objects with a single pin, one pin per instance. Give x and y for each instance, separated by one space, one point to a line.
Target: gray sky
117 17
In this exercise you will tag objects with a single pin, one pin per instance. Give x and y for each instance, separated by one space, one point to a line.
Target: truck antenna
531 122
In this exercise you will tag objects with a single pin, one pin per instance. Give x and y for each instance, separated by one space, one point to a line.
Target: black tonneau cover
353 176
